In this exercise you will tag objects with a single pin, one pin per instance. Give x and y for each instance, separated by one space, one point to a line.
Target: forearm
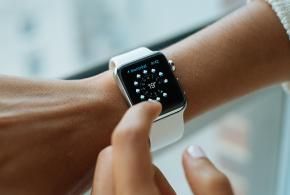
245 51
51 133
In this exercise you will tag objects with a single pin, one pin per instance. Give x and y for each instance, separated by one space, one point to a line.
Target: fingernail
153 101
195 152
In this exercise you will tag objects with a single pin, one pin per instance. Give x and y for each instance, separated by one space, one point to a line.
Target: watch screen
152 78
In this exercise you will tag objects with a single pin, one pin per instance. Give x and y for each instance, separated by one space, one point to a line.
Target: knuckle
143 105
134 133
105 153
215 180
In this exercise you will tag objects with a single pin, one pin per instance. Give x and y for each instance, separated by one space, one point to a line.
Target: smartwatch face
152 78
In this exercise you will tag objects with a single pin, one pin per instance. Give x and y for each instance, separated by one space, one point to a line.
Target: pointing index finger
132 164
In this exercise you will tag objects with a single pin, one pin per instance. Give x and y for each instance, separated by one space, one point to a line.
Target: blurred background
247 138
56 38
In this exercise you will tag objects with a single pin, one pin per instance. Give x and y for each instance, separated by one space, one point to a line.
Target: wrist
108 97
64 121
112 96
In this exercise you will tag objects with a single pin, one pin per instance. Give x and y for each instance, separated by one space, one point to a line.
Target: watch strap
128 57
167 130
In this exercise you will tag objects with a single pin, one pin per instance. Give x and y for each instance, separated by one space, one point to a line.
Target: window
56 38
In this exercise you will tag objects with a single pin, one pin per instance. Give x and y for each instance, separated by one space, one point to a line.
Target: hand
125 167
50 131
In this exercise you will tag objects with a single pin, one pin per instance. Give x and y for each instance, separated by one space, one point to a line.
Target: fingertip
191 153
105 154
194 162
136 123
203 177
195 151
151 106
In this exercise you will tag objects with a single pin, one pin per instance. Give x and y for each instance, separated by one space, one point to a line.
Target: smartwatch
143 75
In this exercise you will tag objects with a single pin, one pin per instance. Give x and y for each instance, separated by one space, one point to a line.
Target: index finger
132 166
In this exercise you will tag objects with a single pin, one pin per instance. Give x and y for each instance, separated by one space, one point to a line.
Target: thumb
203 177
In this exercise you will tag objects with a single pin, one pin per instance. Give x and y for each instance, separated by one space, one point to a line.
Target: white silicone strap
166 130
128 57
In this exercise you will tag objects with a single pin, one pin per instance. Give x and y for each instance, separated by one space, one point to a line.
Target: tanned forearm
243 52
51 133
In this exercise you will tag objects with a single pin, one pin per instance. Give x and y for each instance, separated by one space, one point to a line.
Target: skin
48 133
51 131
125 167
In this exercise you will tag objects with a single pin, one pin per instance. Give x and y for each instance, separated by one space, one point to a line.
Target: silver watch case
123 91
